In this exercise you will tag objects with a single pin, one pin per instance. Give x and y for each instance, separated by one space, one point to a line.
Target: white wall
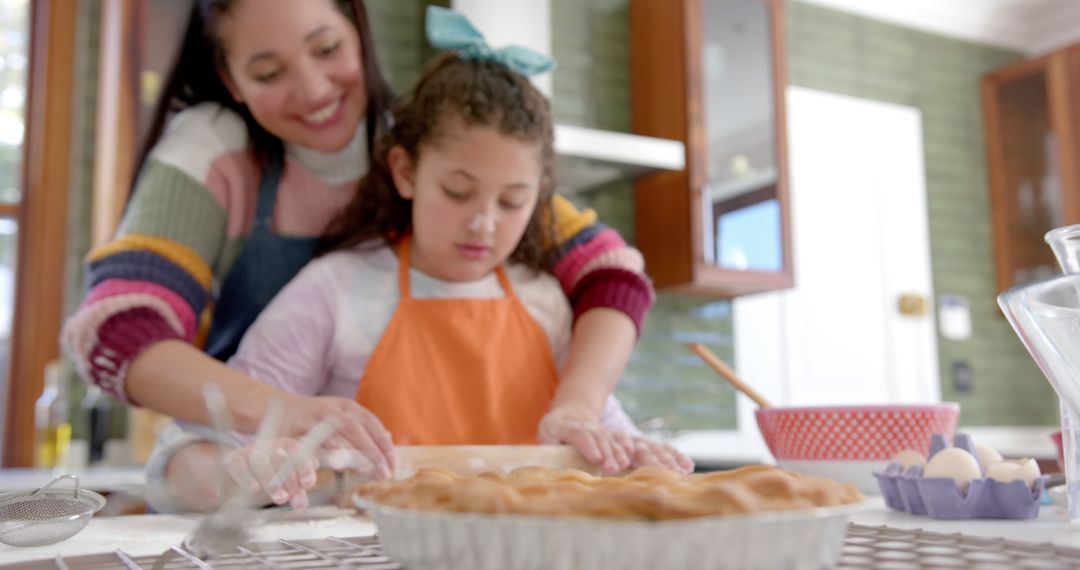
1051 29
526 23
1031 26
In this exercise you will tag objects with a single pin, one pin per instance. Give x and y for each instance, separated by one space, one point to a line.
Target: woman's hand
576 426
361 444
253 468
652 453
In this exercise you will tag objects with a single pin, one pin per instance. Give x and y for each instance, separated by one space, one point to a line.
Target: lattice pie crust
647 493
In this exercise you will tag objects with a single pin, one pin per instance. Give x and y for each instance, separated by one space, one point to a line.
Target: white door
859 231
860 240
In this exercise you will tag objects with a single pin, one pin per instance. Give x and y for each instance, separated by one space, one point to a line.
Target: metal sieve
45 516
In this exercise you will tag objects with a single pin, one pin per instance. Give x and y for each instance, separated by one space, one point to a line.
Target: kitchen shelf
587 158
721 191
625 149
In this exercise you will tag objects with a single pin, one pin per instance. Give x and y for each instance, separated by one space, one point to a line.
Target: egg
1025 470
956 464
987 456
908 458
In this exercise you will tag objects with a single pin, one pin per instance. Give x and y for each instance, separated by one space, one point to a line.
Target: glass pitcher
1046 317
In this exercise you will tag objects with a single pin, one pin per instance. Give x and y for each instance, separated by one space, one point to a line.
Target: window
37 80
14 51
748 235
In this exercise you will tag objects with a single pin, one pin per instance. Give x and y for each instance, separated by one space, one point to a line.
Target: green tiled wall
592 88
592 82
834 51
88 40
398 27
830 51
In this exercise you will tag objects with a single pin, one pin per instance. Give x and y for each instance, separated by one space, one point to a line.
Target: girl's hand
362 444
575 426
652 453
253 468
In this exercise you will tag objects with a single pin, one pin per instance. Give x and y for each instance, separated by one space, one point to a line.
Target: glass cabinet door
712 74
1032 180
743 224
1032 121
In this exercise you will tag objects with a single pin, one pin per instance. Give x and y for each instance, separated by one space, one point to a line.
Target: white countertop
95 479
147 535
153 534
718 449
1052 525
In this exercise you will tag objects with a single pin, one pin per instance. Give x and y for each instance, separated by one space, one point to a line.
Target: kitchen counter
722 450
1052 525
709 449
101 480
146 535
153 534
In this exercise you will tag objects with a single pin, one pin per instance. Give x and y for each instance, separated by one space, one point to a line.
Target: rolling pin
473 459
464 459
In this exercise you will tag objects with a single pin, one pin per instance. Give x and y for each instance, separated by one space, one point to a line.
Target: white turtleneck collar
349 163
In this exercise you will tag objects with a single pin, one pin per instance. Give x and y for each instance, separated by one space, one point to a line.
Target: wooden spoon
720 366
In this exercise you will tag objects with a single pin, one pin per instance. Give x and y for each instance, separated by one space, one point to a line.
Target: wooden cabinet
1032 117
711 73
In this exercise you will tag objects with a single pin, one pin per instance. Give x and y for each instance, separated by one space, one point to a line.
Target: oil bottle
51 419
95 411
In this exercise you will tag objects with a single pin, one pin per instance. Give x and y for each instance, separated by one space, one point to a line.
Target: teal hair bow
451 31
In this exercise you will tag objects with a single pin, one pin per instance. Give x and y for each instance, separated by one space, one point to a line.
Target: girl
434 311
271 111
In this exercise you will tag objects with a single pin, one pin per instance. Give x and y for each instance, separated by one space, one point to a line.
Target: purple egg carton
941 498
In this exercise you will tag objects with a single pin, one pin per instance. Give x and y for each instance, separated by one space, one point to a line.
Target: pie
647 493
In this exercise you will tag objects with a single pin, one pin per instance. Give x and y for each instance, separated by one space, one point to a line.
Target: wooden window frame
42 218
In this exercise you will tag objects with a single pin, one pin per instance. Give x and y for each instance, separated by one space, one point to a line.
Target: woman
271 111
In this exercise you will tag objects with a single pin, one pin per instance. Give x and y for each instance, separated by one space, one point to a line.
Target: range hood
586 157
590 157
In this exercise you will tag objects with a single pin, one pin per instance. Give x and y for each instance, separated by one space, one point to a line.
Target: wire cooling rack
878 547
889 548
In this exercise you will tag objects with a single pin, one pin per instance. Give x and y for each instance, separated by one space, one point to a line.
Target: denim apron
267 262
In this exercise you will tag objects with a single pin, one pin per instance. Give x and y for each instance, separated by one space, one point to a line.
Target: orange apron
459 371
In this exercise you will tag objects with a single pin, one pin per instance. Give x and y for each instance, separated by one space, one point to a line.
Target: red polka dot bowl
848 443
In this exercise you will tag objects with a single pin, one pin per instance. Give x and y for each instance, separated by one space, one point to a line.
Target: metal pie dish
438 540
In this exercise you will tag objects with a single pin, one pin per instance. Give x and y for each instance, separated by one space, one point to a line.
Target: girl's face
296 65
473 191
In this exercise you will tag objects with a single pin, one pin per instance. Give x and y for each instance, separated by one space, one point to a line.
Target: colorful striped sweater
193 206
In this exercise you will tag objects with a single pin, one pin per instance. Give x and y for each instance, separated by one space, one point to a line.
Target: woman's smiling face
296 65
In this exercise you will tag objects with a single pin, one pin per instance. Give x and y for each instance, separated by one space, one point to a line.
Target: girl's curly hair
480 93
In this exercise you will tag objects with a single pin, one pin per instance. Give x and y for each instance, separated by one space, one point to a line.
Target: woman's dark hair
478 93
193 80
